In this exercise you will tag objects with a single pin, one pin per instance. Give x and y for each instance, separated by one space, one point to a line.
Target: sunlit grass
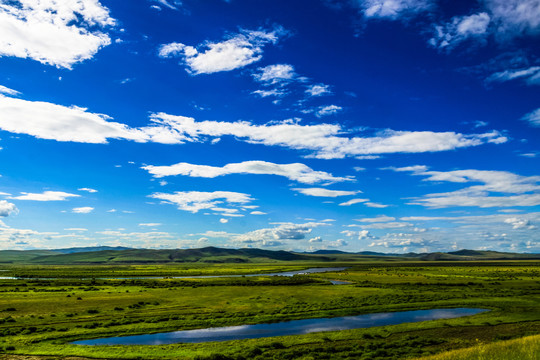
527 348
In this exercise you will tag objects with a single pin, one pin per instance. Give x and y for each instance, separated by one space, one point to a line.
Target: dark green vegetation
40 317
119 255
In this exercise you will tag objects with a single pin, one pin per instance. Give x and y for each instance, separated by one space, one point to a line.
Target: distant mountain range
123 255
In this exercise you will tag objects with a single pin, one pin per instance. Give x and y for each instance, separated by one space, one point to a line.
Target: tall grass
526 348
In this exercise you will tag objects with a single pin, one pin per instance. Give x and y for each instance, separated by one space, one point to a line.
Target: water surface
294 327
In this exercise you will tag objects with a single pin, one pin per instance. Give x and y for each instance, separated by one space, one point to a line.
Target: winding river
294 327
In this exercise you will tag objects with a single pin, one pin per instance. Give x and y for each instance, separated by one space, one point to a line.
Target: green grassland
39 317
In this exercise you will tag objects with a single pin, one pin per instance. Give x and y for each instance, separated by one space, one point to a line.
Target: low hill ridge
211 254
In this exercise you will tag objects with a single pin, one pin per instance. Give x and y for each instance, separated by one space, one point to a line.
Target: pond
294 327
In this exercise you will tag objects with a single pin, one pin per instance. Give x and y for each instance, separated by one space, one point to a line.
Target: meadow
52 305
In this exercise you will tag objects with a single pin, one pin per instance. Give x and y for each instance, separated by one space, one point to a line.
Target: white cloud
326 141
515 17
76 229
257 213
353 201
53 32
82 210
297 171
45 196
150 224
282 232
317 239
393 9
235 52
8 91
275 74
375 205
380 218
526 188
223 221
531 75
167 4
328 110
7 208
533 118
460 29
267 93
361 235
520 223
56 122
194 201
318 90
321 192
88 190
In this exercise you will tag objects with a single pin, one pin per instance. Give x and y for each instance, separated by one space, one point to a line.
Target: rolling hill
113 255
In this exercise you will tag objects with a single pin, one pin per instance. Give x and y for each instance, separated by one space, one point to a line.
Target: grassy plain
40 317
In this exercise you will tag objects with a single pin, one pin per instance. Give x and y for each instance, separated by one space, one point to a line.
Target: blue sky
381 125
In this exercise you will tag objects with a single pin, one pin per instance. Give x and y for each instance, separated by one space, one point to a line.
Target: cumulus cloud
194 201
393 9
523 190
256 212
54 32
297 172
360 235
235 52
322 192
533 118
520 223
223 220
281 232
7 208
45 196
82 210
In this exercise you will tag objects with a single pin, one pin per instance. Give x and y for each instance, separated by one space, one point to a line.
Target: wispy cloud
45 196
88 190
297 171
8 91
327 141
194 201
533 118
393 9
518 190
275 74
322 192
318 90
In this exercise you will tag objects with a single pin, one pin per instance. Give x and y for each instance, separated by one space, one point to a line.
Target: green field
39 317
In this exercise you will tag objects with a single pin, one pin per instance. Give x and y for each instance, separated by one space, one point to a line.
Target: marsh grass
41 317
527 348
